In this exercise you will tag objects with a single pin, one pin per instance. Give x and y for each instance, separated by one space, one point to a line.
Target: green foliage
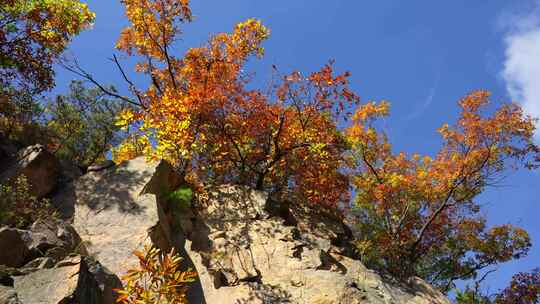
181 198
18 208
33 35
179 201
81 125
472 296
158 279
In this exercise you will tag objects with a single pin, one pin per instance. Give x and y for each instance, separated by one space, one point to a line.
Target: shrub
159 279
18 208
181 197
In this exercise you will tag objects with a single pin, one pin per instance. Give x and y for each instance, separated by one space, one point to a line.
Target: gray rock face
55 239
115 211
40 167
8 295
76 279
243 255
39 263
241 250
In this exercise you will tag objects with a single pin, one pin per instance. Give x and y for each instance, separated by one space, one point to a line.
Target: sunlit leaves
416 214
154 26
420 212
33 33
200 115
157 279
131 147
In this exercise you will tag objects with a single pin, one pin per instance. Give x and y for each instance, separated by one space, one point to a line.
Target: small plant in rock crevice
158 279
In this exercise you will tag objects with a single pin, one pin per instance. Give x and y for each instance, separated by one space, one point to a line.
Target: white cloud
521 70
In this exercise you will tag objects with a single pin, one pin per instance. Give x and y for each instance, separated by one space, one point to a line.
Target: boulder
76 279
54 239
40 167
5 278
14 247
101 166
37 264
115 210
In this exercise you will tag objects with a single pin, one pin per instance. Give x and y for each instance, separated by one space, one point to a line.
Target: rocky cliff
245 248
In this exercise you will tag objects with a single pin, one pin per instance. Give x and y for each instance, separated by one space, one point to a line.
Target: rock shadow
115 187
266 294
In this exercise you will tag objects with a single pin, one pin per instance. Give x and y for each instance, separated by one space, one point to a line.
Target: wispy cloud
421 108
521 70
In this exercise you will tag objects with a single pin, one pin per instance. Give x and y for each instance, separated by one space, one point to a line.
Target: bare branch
77 70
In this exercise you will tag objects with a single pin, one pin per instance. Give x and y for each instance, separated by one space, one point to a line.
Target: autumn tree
33 33
418 216
523 289
21 119
202 117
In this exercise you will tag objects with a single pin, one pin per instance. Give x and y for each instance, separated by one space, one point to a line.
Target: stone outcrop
245 248
54 239
8 295
40 167
115 210
101 166
244 254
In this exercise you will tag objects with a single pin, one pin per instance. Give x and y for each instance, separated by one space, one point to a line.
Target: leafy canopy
202 117
417 215
33 33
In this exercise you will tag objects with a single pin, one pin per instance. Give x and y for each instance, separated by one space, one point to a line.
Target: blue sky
420 55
